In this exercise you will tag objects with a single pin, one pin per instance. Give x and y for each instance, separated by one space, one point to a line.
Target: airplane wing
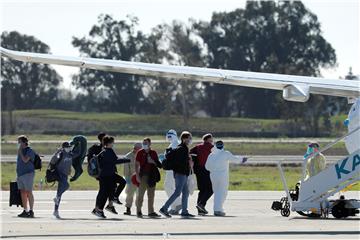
295 88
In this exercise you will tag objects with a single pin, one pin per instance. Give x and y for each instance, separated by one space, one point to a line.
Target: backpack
37 162
169 163
93 167
51 175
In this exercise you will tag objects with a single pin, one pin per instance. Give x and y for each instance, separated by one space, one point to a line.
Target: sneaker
111 209
98 213
219 214
139 214
201 210
153 215
128 211
117 201
24 214
187 215
56 214
165 213
31 214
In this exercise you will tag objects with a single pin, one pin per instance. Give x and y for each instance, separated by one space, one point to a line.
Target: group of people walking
208 161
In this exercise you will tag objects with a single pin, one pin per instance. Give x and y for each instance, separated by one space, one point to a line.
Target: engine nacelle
296 93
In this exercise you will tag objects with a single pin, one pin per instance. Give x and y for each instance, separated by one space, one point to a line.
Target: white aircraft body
295 88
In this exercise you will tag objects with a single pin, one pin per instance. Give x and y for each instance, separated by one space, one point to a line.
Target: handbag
191 182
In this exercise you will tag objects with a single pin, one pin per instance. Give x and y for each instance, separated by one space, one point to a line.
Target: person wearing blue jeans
182 166
61 161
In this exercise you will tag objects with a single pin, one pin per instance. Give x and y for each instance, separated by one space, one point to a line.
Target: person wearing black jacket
107 164
120 182
182 166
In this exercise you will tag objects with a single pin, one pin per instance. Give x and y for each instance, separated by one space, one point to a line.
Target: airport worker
129 170
169 183
183 165
316 163
107 165
202 152
62 161
147 174
218 166
79 144
25 172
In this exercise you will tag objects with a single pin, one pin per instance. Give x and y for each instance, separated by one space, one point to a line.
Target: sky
56 22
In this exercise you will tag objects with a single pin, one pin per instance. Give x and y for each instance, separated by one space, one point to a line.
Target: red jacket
202 151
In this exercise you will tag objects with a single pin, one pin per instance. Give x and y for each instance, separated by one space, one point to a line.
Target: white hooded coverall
218 166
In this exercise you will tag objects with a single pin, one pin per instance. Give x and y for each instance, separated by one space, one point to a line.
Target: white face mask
145 146
67 149
18 145
190 141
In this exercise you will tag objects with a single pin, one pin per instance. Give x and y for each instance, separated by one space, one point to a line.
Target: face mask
67 149
309 151
145 146
18 145
190 141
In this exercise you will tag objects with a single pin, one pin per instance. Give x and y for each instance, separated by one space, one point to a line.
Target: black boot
128 211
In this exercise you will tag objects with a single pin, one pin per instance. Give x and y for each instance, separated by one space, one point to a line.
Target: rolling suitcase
15 197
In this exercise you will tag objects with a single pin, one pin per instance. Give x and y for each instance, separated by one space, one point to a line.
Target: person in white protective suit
218 166
169 183
314 164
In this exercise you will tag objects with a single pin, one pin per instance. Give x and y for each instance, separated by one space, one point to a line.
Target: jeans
63 185
181 187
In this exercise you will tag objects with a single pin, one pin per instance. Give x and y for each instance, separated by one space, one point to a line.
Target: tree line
266 36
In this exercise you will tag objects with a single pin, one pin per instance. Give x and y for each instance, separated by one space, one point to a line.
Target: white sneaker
56 214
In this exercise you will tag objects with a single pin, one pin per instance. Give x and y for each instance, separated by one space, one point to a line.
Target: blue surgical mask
145 146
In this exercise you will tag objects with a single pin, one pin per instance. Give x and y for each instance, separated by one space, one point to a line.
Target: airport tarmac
248 217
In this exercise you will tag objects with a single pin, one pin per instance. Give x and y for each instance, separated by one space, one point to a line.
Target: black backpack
169 162
52 175
37 162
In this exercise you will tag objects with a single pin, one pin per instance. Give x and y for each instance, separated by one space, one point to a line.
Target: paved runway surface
257 159
249 217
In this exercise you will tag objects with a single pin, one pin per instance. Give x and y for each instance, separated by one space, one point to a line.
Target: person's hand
150 160
191 163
